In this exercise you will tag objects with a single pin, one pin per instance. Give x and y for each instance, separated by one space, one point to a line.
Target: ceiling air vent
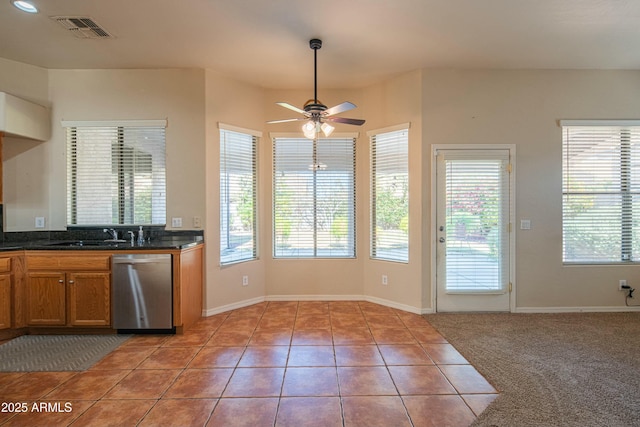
82 27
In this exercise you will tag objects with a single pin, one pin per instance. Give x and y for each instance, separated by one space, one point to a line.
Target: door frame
512 215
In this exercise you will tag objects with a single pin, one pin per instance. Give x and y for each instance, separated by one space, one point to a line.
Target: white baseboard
396 305
594 309
314 298
407 308
234 306
245 303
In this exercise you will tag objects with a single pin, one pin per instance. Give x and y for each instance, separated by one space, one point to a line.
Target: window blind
601 194
238 180
116 175
390 196
314 197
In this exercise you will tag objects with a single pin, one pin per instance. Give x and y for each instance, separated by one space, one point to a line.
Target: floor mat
30 353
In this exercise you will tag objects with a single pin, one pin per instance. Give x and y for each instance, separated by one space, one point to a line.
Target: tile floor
304 363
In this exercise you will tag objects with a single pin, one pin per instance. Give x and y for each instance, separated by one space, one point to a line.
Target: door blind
476 221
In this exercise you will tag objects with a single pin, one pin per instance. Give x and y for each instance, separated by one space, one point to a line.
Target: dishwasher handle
134 261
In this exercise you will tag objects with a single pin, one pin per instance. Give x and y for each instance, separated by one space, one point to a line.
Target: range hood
23 119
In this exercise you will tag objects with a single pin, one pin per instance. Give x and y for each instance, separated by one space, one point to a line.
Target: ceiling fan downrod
316 113
315 44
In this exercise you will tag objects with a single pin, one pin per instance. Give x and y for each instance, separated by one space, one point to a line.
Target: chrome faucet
132 234
112 232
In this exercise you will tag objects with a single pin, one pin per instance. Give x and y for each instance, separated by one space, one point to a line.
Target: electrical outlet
245 280
39 222
197 222
385 280
176 222
622 285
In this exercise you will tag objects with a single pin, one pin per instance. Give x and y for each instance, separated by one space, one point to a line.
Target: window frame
627 148
315 158
375 252
119 130
241 134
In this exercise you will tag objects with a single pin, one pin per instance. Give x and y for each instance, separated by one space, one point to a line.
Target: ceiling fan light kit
316 113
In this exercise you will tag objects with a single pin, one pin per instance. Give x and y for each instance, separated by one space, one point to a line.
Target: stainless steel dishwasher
142 293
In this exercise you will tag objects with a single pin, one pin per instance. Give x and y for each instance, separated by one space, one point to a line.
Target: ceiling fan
316 114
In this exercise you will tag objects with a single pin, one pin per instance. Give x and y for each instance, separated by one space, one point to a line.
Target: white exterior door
473 242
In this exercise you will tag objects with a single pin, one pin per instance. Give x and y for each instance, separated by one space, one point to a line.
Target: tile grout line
298 314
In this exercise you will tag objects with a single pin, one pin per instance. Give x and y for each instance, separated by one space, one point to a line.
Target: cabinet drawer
69 262
5 265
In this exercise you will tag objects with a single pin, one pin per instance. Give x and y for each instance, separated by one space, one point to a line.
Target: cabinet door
5 301
46 298
89 299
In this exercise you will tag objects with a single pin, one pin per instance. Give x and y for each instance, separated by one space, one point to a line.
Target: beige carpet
572 369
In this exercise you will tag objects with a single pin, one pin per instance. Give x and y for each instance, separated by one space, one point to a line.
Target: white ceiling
266 42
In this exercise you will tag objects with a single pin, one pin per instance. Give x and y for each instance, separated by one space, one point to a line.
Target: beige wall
518 107
35 173
25 81
523 107
392 103
321 278
236 104
24 190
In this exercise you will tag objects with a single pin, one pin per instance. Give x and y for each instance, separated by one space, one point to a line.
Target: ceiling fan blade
340 108
291 107
357 122
286 120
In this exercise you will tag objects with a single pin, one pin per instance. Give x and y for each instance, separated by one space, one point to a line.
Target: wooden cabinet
46 289
5 301
46 296
70 289
89 297
6 293
188 286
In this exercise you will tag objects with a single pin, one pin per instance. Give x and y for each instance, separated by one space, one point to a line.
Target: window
238 180
390 195
601 191
116 173
314 198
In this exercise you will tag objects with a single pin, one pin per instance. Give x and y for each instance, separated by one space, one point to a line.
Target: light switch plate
39 222
525 224
176 222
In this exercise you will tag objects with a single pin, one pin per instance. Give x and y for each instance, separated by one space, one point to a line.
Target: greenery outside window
314 197
116 173
238 183
601 191
390 194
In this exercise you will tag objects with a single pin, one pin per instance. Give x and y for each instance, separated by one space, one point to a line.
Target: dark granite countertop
175 242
